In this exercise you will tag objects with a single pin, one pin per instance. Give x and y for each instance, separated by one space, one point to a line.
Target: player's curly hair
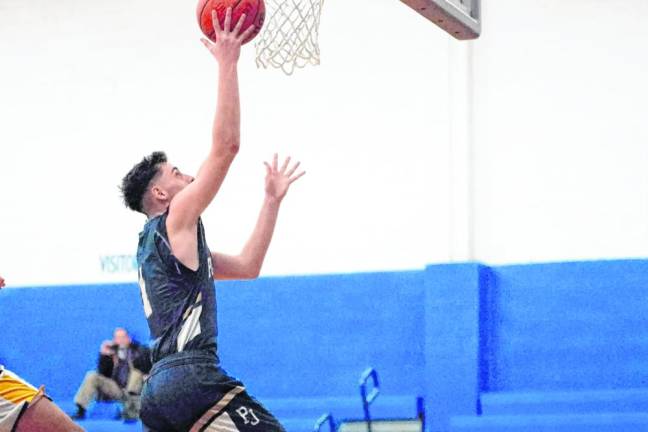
135 183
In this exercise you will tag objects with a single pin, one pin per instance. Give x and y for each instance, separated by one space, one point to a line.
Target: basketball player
23 408
187 389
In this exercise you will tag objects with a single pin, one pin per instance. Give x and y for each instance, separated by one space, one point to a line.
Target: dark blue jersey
179 303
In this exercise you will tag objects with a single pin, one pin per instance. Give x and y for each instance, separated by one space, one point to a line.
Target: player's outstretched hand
227 47
2 282
278 180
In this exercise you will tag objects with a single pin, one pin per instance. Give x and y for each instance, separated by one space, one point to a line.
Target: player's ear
159 193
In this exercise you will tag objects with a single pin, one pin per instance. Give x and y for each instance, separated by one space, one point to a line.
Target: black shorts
238 411
188 389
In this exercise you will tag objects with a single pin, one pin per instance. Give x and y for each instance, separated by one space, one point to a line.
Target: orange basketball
254 11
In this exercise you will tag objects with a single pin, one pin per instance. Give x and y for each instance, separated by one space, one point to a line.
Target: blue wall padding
565 401
313 336
452 341
569 326
448 333
590 422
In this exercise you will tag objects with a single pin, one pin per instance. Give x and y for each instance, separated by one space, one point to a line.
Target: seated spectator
120 373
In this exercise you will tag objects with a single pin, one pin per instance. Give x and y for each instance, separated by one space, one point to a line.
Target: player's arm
247 264
188 205
2 282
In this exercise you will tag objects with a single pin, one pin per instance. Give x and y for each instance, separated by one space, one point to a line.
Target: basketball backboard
460 18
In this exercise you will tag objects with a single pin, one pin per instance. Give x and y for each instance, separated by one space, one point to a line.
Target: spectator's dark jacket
140 358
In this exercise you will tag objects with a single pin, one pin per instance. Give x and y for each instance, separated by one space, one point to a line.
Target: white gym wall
561 143
524 146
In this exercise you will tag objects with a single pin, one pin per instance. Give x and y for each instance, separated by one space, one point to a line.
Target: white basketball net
289 36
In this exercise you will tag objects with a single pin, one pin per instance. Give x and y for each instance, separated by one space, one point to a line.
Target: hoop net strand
289 37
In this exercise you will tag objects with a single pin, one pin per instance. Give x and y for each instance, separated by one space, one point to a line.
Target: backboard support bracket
459 18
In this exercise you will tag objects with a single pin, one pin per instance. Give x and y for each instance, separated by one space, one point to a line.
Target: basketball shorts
15 395
188 391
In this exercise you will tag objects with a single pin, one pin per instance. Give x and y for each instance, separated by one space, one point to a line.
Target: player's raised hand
227 47
278 179
2 282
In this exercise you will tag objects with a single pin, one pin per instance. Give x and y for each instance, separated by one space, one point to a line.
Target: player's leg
32 410
42 415
15 394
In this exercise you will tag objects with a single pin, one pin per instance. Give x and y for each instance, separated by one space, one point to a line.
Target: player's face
173 180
